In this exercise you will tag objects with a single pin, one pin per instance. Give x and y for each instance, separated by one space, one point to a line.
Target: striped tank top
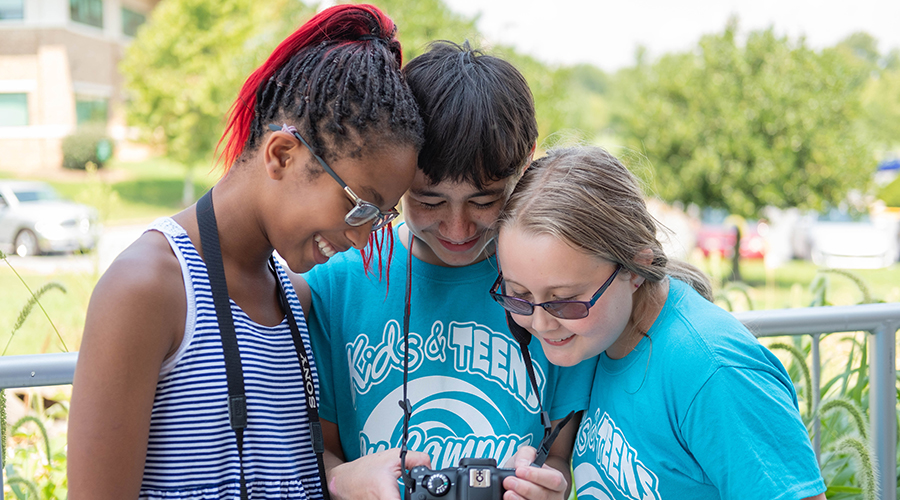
192 450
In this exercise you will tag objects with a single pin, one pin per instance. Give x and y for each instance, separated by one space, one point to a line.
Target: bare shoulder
302 289
142 287
135 319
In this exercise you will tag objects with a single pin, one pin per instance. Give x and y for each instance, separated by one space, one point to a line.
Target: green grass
142 191
128 192
66 310
788 286
123 193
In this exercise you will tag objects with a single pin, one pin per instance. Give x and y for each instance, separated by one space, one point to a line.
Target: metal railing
881 321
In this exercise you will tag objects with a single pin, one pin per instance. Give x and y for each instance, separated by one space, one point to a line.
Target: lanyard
237 399
522 337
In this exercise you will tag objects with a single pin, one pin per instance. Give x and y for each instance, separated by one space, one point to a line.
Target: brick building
58 69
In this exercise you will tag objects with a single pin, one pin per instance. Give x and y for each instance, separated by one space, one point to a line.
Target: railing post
883 407
816 397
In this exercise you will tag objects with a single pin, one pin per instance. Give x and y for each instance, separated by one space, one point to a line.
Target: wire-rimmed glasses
563 309
362 211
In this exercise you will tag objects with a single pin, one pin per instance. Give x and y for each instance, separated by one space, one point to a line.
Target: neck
244 245
644 314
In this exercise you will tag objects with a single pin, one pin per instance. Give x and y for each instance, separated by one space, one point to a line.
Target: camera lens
437 484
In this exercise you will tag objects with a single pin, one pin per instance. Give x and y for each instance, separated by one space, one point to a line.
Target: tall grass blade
818 287
742 289
857 416
862 373
20 481
865 467
40 425
800 359
863 288
26 311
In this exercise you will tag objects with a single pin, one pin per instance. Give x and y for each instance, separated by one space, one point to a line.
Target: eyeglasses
563 309
363 211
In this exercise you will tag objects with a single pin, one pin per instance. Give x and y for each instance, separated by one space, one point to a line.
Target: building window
13 110
12 9
90 110
130 21
87 12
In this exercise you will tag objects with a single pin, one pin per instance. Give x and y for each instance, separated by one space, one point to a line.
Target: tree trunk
736 256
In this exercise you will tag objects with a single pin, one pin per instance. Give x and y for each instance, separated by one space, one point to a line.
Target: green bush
890 194
89 143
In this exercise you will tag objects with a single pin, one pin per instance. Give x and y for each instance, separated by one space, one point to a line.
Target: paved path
113 240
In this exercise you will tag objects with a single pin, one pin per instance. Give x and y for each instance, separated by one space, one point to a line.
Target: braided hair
337 74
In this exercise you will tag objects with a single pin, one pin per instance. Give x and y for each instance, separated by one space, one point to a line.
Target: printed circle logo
451 419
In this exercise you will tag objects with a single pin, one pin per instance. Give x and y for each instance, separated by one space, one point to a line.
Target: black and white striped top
192 451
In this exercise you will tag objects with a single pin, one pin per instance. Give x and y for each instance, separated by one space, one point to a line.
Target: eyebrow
479 194
376 197
552 288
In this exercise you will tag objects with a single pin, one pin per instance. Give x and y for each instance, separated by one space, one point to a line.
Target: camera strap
404 403
522 337
237 399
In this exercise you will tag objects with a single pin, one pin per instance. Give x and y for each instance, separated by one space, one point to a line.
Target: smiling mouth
459 247
559 342
324 248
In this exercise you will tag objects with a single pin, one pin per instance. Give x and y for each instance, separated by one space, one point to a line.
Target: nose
359 235
459 227
542 321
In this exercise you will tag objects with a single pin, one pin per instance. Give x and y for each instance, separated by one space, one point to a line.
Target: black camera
473 479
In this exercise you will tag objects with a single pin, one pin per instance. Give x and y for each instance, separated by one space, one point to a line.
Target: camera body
473 479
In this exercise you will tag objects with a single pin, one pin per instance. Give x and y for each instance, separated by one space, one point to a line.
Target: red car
717 234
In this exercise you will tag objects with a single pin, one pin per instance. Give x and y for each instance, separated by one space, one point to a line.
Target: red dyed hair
341 22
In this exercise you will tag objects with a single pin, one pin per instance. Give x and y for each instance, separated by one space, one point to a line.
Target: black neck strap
407 408
237 399
522 337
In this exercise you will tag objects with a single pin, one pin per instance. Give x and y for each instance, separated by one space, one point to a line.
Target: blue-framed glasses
362 211
563 309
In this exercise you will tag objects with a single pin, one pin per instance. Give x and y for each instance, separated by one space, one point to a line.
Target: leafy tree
742 126
881 96
566 99
188 62
420 22
881 99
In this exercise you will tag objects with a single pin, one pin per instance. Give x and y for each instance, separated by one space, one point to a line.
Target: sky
607 34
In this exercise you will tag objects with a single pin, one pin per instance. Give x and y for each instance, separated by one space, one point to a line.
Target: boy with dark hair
468 386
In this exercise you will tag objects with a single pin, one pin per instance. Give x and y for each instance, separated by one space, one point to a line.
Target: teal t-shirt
700 410
468 386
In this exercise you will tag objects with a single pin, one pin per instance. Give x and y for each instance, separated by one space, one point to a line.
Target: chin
461 259
562 356
297 267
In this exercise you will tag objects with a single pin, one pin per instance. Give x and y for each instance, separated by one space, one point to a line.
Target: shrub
890 194
89 143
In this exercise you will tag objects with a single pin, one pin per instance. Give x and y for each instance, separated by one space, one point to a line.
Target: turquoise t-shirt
711 414
468 386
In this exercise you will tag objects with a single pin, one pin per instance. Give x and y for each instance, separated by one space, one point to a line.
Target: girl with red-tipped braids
195 377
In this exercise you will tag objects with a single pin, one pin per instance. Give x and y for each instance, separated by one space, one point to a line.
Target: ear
279 150
643 258
530 157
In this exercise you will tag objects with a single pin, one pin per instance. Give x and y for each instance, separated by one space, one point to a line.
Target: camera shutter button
437 484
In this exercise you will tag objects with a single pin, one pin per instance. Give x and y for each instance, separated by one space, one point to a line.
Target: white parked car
837 239
34 219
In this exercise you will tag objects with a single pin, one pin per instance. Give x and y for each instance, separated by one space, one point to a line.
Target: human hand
372 476
533 483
